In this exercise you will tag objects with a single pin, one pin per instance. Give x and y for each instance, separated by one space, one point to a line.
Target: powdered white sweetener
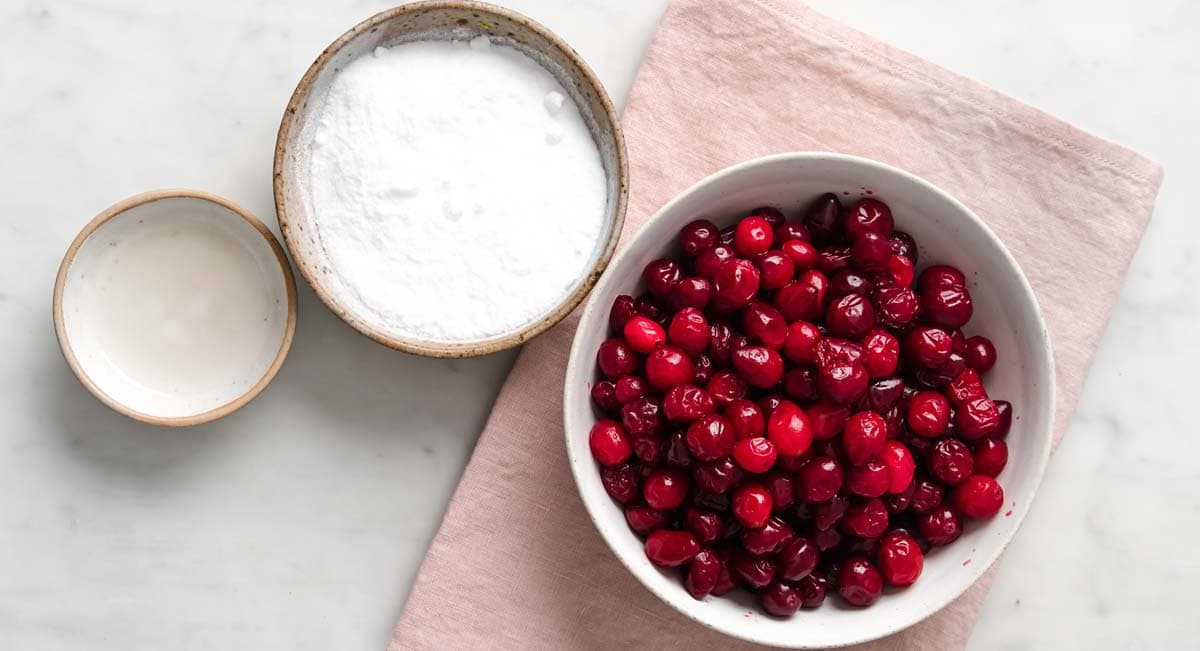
454 188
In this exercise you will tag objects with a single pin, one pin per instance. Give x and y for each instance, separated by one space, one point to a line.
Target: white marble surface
300 521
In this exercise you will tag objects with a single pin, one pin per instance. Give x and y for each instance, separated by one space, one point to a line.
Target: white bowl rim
579 459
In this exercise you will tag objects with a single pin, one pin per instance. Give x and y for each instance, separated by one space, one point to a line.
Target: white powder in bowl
454 187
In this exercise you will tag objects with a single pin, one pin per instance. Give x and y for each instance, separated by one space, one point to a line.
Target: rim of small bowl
115 210
456 349
579 459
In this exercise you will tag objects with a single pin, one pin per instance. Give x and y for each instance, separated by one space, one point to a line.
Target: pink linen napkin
517 563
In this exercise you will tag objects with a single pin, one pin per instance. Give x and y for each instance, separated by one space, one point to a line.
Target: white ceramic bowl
1005 310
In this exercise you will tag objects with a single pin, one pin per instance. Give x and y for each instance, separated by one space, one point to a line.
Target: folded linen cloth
517 563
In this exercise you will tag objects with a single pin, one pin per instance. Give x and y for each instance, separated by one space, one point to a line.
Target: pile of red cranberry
783 410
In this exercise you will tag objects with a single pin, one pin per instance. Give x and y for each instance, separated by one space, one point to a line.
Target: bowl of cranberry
810 402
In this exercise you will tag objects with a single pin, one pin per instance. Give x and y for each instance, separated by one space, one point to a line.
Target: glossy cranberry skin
803 298
781 599
643 519
819 480
823 218
964 387
903 244
755 571
752 504
859 583
867 518
870 479
773 215
827 419
851 316
650 451
928 414
1004 409
842 383
764 325
833 259
977 418
767 539
648 307
622 310
833 350
863 437
706 526
776 269
736 283
703 574
710 261
940 276
782 487
667 548
689 331
621 482
943 375
926 496
883 394
947 307
604 394
801 341
789 429
726 387
687 404
827 514
710 438
928 348
979 496
609 442
628 388
900 559
900 270
746 418
668 366
697 236
755 455
803 254
717 477
979 353
753 236
940 526
901 465
797 558
790 231
661 276
900 501
760 366
950 461
800 385
704 369
677 453
812 592
869 216
691 292
870 251
849 281
643 334
616 358
989 456
895 307
665 489
881 353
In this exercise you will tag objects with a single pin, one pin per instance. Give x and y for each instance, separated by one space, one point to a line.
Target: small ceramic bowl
1005 310
437 20
104 328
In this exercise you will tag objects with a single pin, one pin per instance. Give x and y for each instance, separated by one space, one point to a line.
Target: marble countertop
300 521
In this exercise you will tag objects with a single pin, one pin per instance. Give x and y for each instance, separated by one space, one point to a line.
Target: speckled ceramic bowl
439 21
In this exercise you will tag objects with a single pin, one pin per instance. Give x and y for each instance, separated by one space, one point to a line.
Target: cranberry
1004 409
790 231
965 386
755 455
736 282
726 387
615 358
869 216
687 404
842 383
689 331
903 244
667 548
649 450
718 476
646 306
776 269
829 513
812 591
725 582
622 310
752 504
900 559
803 298
697 236
691 292
643 334
604 394
760 366
725 235
977 418
849 281
720 343
859 582
900 270
789 429
881 353
803 254
704 369
666 488
669 366
710 261
883 394
630 387
871 251
833 259
764 324
928 347
781 599
678 454
773 215
895 307
800 385
827 419
980 354
662 276
979 496
609 442
621 482
755 571
832 350
990 456
823 219
782 488
643 519
819 480
703 574
950 461
767 539
863 437
939 276
940 526
710 438
746 418
947 307
926 496
797 558
850 316
801 341
705 525
899 461
753 236
871 479
928 414
900 501
866 518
